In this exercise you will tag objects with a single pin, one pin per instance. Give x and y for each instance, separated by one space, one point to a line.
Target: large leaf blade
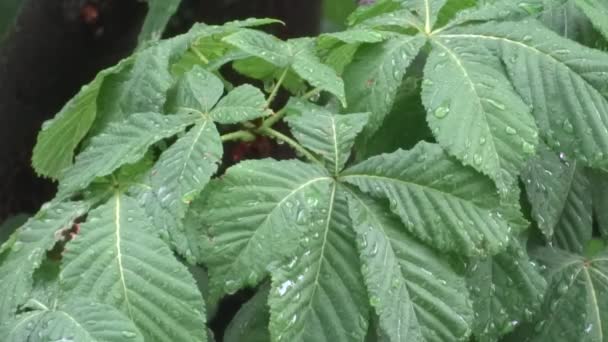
433 302
319 296
117 259
461 213
475 113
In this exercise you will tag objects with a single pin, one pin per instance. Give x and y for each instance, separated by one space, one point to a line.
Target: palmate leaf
541 65
197 89
576 304
449 206
123 143
254 214
58 138
319 296
118 260
28 249
475 113
560 195
329 135
76 321
374 76
507 290
297 55
597 11
417 295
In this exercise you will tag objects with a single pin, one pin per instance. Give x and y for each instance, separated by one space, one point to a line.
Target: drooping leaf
197 89
243 103
560 195
319 296
157 18
251 322
59 137
124 143
417 295
507 290
447 205
373 78
180 174
540 65
475 113
117 259
576 304
254 213
76 321
329 135
26 253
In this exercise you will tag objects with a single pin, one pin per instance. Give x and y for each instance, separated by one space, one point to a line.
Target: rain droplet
567 126
510 130
441 112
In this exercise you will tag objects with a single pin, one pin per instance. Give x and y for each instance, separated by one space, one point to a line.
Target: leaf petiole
282 137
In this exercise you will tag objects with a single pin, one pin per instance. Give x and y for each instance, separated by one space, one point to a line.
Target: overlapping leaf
251 322
599 180
28 249
597 11
76 321
329 135
297 55
374 76
507 290
117 259
443 203
157 18
417 295
475 113
319 296
560 196
255 213
576 304
125 142
541 65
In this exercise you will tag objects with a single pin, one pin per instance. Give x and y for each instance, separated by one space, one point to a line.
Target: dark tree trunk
53 52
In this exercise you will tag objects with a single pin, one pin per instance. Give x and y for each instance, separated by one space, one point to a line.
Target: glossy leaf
432 302
461 213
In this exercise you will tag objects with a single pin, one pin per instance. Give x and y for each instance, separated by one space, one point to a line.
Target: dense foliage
450 184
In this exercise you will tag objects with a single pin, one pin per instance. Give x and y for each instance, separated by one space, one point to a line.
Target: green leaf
560 196
475 113
393 21
182 171
497 10
251 321
373 78
197 89
432 302
59 137
507 290
159 13
597 11
336 11
541 65
243 103
352 36
124 143
254 213
377 8
117 259
329 135
575 305
297 54
262 45
27 252
319 296
428 10
447 205
599 189
76 321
